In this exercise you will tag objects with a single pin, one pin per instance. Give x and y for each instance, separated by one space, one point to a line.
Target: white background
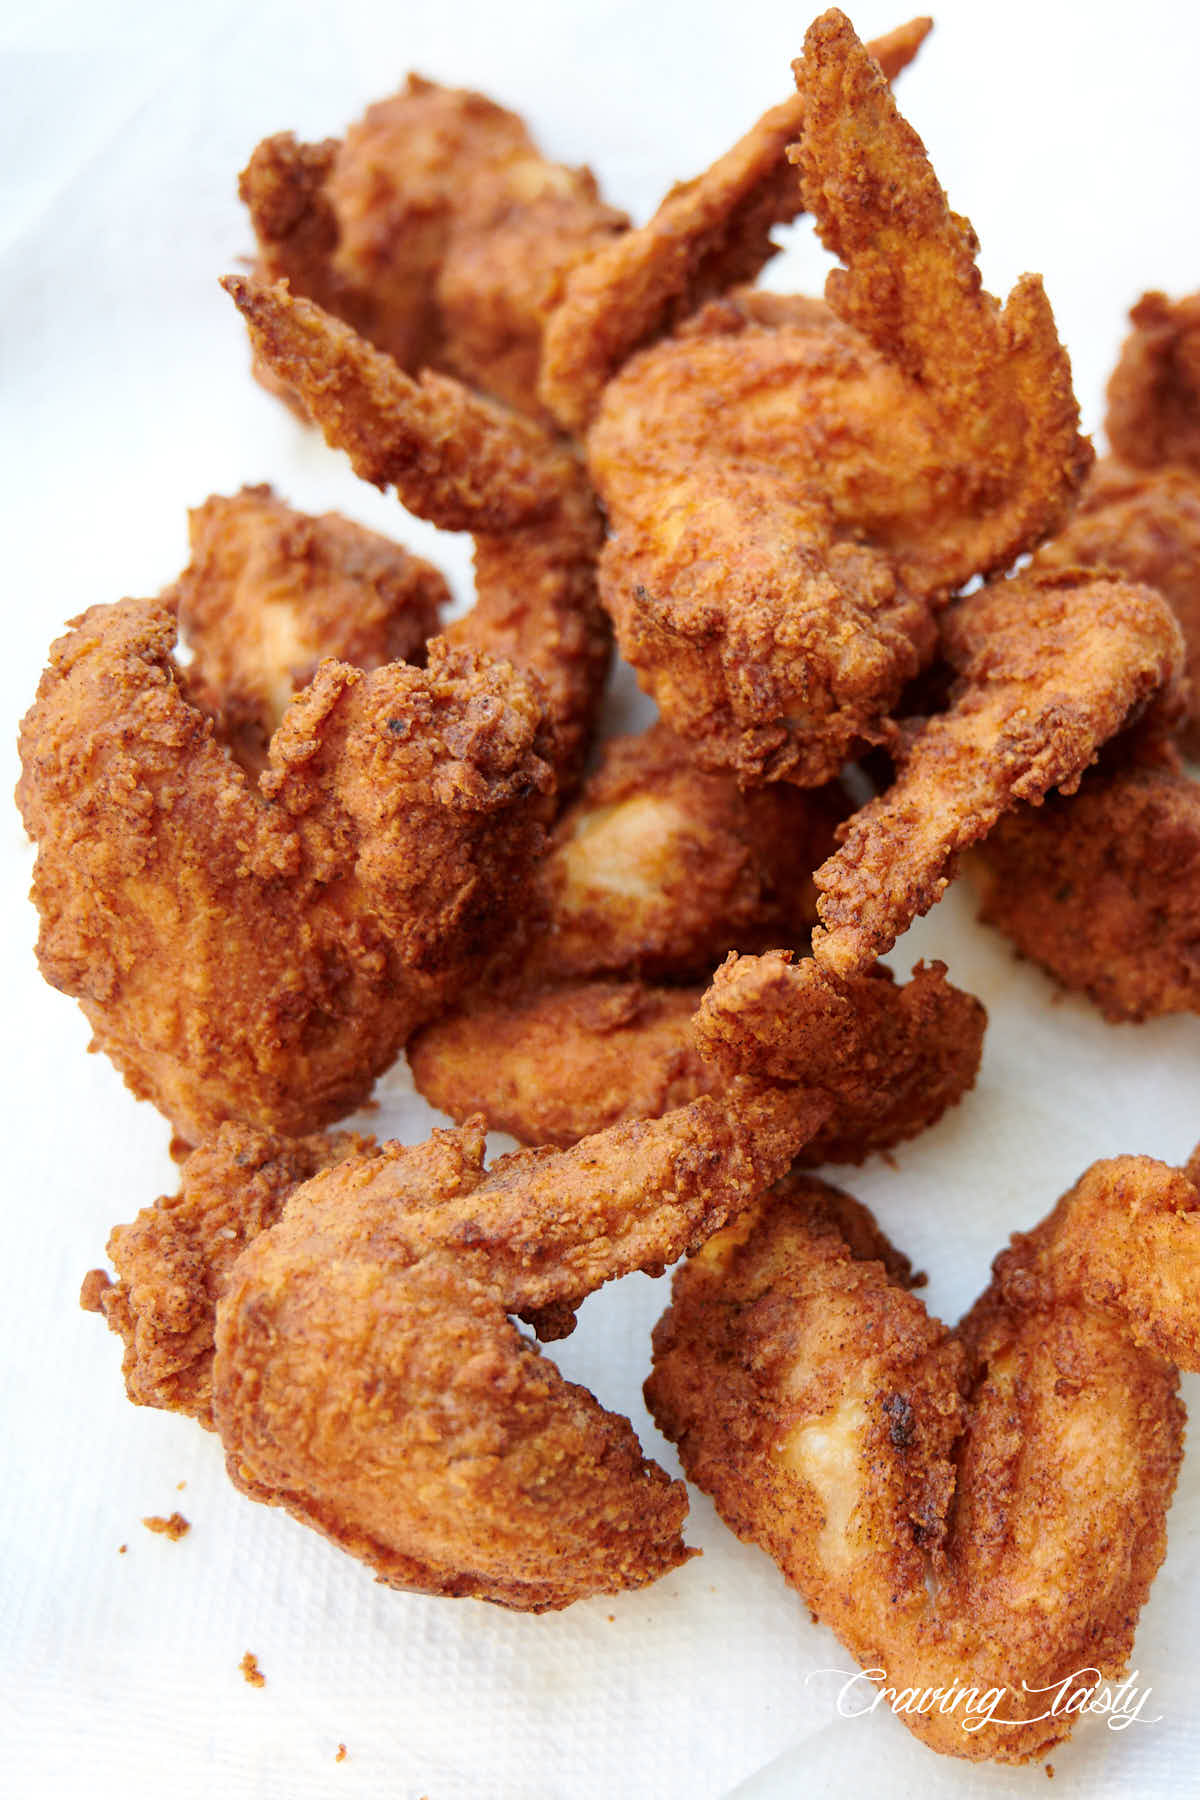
1069 138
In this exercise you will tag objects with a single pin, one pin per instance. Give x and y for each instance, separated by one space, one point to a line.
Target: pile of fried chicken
857 551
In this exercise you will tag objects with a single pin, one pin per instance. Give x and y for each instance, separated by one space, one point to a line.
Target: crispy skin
1145 526
173 1263
263 954
349 1338
269 592
1050 666
709 234
792 491
1103 889
436 228
967 1509
1154 391
467 465
553 1065
659 867
892 1058
550 1067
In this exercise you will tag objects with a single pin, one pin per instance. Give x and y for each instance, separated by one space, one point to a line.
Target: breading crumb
251 1671
175 1527
341 1753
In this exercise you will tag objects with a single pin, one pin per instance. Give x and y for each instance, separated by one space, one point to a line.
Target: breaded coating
792 491
892 1058
350 1335
551 1067
970 1511
262 954
1154 392
659 867
708 235
1103 889
269 592
555 1064
1143 525
173 1263
436 228
466 465
1050 666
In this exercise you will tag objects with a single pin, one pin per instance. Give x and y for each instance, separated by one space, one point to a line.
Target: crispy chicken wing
340 1313
262 953
551 1066
436 228
466 465
792 490
1050 666
978 1511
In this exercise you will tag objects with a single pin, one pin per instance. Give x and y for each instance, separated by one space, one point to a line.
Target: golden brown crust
1051 665
550 1067
436 229
891 1058
1154 391
1103 889
791 493
263 955
553 1066
466 464
1143 525
708 235
174 1261
351 1338
270 591
659 867
981 1509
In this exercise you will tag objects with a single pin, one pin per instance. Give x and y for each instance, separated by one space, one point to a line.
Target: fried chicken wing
1154 392
263 953
466 465
269 592
708 235
552 1066
977 1512
340 1313
1050 666
1143 525
435 228
1103 889
792 490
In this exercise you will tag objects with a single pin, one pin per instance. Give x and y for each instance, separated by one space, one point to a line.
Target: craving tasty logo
1085 1691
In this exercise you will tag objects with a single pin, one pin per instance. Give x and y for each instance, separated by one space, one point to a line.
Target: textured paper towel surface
127 399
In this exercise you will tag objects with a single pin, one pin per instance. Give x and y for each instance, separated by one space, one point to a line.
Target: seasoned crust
1102 889
270 591
263 954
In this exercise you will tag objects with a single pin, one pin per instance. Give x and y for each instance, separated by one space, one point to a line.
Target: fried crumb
1050 1770
251 1671
179 1486
175 1527
612 1618
341 1753
91 1293
121 1549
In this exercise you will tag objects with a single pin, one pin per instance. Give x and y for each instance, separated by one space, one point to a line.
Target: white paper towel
126 399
